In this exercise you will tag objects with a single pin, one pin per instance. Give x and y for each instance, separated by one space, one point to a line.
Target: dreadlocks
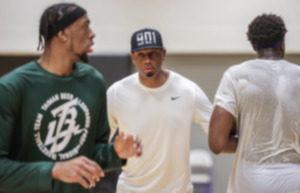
56 18
266 31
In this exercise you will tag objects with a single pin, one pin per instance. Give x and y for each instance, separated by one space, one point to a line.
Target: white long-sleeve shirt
161 117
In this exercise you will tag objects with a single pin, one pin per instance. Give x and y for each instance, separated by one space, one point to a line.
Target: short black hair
51 19
266 30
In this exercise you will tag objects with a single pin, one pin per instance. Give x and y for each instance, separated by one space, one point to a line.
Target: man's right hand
127 146
78 170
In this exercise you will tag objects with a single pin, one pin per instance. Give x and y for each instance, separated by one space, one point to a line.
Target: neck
155 81
270 54
56 61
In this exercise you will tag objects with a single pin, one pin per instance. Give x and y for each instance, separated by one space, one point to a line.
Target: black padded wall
112 67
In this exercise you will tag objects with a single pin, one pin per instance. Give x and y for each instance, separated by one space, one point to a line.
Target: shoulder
237 67
19 74
241 69
87 69
124 83
181 80
291 65
291 69
91 75
182 84
121 88
14 82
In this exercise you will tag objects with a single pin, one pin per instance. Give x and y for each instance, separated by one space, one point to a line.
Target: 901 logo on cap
146 38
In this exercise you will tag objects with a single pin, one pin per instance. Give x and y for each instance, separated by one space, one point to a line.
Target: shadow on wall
112 67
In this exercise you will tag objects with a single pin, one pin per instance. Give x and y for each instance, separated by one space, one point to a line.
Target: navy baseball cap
146 38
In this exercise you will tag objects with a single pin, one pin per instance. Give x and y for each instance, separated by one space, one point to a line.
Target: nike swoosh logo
174 98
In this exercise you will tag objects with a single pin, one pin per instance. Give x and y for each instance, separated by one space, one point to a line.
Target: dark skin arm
87 172
222 130
78 170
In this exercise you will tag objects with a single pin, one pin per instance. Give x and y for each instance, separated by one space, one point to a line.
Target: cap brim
147 47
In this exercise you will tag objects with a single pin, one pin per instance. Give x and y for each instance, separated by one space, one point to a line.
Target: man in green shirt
53 123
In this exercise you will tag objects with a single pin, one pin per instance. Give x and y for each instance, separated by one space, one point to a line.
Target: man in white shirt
159 106
256 115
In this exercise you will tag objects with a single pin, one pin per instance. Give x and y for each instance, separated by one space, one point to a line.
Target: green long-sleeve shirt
46 118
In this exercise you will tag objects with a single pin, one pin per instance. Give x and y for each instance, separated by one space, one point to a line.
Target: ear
132 56
164 54
282 45
254 48
62 35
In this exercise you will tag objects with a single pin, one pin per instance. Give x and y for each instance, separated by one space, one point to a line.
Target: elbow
216 146
215 150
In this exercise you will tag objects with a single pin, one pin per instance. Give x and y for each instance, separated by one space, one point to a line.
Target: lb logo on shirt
65 120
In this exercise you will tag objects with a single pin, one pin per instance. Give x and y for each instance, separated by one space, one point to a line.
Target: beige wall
190 26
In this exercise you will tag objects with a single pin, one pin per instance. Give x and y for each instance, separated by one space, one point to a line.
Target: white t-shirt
161 117
264 98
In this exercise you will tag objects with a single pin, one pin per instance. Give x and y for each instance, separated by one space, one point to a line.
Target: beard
83 57
150 74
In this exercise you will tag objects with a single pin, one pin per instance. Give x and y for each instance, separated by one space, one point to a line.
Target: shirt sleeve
113 123
104 153
203 109
226 96
18 176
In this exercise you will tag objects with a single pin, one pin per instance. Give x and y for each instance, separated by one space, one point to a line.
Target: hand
127 146
78 170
